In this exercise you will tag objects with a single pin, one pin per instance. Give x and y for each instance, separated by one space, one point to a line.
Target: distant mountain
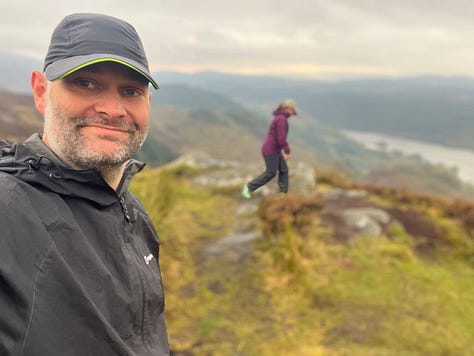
431 109
15 72
186 97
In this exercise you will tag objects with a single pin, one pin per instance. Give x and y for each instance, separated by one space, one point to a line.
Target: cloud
298 37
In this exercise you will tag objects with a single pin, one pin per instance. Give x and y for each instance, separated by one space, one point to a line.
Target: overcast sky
299 38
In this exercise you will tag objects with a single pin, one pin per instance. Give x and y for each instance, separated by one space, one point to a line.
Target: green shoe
246 192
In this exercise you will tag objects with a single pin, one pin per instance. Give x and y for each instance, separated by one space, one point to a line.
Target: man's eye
131 92
85 84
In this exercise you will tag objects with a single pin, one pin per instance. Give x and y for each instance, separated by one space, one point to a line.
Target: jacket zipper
124 209
132 255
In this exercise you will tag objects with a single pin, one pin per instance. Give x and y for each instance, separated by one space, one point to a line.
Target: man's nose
110 103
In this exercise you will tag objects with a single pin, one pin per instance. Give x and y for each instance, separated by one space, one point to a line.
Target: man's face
98 116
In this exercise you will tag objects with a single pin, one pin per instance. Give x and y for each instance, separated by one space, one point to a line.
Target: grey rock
228 174
366 221
202 160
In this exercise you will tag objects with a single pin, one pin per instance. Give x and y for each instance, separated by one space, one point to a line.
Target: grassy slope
18 116
300 293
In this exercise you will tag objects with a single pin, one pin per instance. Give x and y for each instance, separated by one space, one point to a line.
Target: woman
275 151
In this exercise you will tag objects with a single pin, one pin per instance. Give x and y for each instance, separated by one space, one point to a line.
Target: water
461 159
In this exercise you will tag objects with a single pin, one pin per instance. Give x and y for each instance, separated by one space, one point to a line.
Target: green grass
391 300
303 294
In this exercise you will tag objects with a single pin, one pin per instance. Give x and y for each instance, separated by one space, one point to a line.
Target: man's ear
39 85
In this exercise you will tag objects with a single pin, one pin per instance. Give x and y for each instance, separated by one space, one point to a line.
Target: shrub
279 212
464 211
334 178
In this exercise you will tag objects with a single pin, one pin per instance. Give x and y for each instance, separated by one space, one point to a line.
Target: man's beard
67 141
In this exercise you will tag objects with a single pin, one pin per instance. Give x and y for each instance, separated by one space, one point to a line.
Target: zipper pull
124 209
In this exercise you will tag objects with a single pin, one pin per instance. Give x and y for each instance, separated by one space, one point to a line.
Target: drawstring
54 176
34 165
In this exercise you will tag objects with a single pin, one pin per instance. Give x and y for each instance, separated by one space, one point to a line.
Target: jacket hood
280 111
34 163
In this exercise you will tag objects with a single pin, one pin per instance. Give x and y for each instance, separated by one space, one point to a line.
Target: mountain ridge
432 109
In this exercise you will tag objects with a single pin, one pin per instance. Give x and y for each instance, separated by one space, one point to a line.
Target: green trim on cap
110 60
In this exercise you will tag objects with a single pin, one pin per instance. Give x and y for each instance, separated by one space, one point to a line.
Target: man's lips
107 129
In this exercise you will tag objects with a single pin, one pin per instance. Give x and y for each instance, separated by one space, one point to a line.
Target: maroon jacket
275 141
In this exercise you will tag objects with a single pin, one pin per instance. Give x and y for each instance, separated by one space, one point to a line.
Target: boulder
366 221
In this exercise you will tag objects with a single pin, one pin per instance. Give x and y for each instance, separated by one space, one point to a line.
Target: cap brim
63 67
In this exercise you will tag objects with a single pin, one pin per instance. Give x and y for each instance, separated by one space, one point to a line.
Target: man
79 269
275 151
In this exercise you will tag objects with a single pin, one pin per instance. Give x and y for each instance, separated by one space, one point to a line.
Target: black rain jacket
79 271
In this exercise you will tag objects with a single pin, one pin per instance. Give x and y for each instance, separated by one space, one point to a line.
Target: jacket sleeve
281 133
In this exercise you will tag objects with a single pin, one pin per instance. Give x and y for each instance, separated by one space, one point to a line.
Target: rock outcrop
348 213
226 174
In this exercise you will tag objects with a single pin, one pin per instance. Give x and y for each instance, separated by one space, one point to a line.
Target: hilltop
335 267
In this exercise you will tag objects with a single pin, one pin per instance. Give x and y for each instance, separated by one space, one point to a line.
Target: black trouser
274 164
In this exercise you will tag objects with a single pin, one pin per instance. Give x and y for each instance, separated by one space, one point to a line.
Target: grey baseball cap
84 39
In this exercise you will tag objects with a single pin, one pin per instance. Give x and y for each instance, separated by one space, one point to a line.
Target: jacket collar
281 112
36 145
35 163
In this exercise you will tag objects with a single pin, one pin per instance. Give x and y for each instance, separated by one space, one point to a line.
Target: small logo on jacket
148 258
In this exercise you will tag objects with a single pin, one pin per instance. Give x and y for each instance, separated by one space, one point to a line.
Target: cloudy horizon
302 38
